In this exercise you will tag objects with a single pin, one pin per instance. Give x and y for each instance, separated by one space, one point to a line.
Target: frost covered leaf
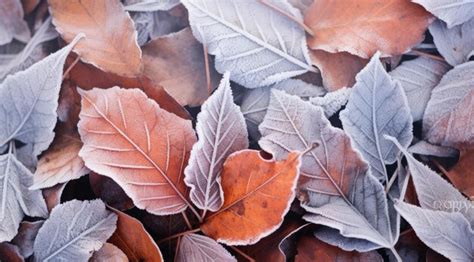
60 163
176 62
377 106
335 183
150 5
433 191
258 194
221 130
418 77
455 44
26 237
12 24
109 253
255 101
194 247
365 26
448 112
16 199
73 231
452 12
111 39
448 233
142 147
33 94
424 148
332 101
258 45
132 238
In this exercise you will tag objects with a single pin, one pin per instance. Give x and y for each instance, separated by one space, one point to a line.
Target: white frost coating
417 78
448 233
150 5
255 101
455 44
256 44
74 230
15 198
29 100
194 247
377 106
221 130
448 114
453 12
424 148
109 253
332 101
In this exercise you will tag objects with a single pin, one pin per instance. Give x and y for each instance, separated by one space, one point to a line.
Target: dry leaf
109 253
462 174
12 24
26 237
52 195
364 27
194 247
10 253
258 194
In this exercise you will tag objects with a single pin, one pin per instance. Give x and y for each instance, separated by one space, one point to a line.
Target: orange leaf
142 147
111 39
132 238
462 175
258 194
362 27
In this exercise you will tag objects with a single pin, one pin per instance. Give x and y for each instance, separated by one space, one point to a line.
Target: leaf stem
394 176
278 10
240 252
424 54
71 66
204 212
395 253
186 219
178 235
208 72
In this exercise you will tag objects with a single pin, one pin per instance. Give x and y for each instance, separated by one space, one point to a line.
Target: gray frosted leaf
449 111
332 101
424 148
452 12
255 101
335 184
12 25
74 230
258 45
150 5
109 253
433 191
221 130
194 247
448 233
15 197
418 77
30 99
330 235
144 26
456 44
377 106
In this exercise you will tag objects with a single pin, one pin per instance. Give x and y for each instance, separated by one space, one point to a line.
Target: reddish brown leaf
142 147
258 193
462 174
29 5
365 26
52 195
111 42
10 253
110 192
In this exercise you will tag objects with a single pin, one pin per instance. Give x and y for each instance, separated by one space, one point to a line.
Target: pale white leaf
448 233
74 230
455 44
12 25
150 5
424 148
453 12
109 253
194 247
418 77
332 101
16 200
258 45
221 131
377 106
448 113
255 101
30 99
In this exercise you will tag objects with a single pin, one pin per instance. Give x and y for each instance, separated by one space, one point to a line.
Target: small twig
278 10
186 219
208 72
204 212
440 167
394 176
240 252
421 53
177 248
178 235
70 67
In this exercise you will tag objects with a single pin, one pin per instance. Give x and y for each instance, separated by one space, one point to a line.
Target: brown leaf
26 237
132 238
52 195
110 192
142 147
29 5
312 249
338 69
462 174
176 62
111 39
109 253
362 27
10 253
258 194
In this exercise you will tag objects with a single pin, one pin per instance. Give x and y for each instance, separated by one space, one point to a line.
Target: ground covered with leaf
236 130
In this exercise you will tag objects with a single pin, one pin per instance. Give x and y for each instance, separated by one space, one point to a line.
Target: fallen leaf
258 194
52 195
12 25
73 230
111 39
333 101
110 192
424 148
453 13
235 35
176 62
132 238
26 236
10 253
338 69
462 174
109 253
150 5
29 5
144 148
364 27
194 247
312 249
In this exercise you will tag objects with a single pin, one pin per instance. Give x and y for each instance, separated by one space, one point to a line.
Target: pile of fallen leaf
224 130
